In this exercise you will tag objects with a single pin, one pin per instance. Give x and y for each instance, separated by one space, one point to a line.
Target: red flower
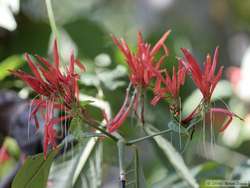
143 67
142 64
205 80
4 155
56 89
171 85
116 122
226 112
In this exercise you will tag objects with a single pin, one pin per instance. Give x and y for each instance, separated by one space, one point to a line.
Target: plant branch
85 116
131 142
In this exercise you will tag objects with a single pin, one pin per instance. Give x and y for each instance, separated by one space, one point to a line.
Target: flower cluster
145 69
56 90
206 82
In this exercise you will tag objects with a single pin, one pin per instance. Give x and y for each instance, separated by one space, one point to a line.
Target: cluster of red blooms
145 69
59 90
56 90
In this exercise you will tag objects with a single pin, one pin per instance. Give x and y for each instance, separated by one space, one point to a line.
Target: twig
51 18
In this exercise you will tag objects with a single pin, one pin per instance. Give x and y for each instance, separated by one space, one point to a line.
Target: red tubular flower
143 67
171 85
116 122
142 64
56 89
205 80
226 112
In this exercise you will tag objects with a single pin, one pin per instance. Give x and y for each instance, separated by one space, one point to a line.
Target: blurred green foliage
197 26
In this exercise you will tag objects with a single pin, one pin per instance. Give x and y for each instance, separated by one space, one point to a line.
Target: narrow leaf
134 172
175 159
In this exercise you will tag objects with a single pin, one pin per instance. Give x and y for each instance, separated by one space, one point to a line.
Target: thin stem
85 116
137 167
51 18
123 184
121 147
105 132
147 137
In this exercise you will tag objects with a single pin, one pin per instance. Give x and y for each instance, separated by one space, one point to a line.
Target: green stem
105 132
121 147
51 18
131 142
137 167
85 116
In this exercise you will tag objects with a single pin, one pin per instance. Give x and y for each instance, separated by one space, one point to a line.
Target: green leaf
76 127
79 167
134 173
79 131
12 147
34 172
11 63
88 169
63 168
175 159
86 102
204 171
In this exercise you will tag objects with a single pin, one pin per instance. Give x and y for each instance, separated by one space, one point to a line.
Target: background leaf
11 63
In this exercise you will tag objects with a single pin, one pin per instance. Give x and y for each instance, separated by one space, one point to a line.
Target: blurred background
85 26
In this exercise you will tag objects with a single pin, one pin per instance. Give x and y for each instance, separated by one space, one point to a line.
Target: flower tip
185 50
55 43
168 32
110 129
113 37
26 56
139 37
56 54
